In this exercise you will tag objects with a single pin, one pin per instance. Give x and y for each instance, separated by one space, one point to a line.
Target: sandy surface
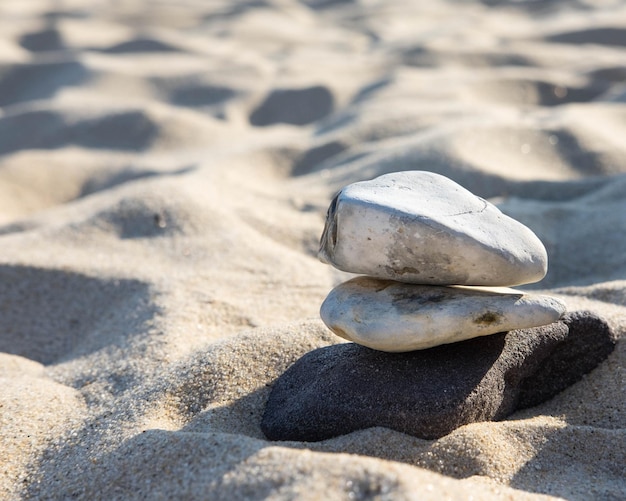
165 168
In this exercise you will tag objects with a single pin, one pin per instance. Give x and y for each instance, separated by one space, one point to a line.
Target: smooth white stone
396 317
420 227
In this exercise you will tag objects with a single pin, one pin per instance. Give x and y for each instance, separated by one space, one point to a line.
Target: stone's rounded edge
560 306
536 264
525 257
327 314
546 309
403 180
345 244
329 234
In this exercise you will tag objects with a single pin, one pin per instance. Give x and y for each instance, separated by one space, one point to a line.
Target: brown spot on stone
375 283
488 318
340 332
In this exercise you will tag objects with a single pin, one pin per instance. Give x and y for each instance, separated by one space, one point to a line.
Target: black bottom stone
339 389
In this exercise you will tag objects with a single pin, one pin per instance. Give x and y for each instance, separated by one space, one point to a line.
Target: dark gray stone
338 389
589 342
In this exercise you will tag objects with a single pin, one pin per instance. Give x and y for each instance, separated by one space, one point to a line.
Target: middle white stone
397 317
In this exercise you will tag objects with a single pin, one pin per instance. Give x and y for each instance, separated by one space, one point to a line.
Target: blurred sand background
165 168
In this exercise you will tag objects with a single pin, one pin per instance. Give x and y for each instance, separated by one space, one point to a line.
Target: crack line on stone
484 208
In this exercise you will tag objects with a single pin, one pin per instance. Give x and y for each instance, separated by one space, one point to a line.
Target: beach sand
165 169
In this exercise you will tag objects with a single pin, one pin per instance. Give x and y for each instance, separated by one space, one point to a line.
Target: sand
165 168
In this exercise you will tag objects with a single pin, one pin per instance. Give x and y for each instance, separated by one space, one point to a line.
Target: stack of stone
441 341
421 228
